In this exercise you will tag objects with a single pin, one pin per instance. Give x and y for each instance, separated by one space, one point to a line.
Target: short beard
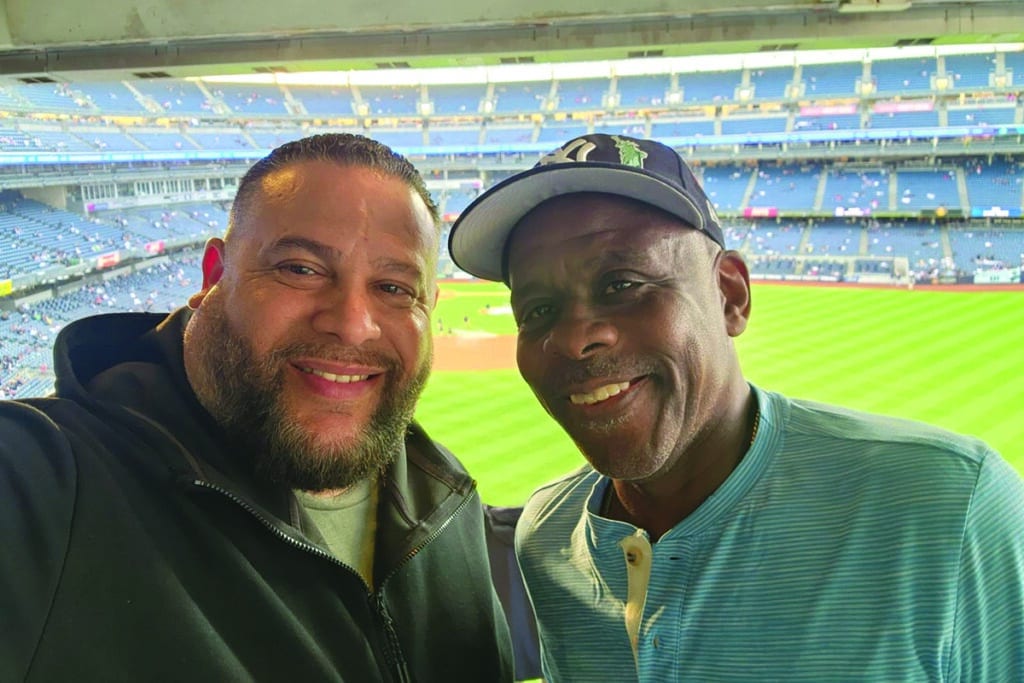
243 393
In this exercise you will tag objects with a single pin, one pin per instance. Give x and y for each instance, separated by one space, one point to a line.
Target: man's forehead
592 249
310 173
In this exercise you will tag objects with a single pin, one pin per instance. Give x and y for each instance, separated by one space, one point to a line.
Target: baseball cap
644 170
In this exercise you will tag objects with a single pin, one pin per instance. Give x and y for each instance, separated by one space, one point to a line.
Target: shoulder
562 499
27 430
39 485
434 460
848 435
36 456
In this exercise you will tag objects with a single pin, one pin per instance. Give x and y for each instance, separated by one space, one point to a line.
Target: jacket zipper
381 608
394 652
434 534
376 600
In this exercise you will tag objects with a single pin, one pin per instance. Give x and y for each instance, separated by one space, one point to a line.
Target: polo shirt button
656 642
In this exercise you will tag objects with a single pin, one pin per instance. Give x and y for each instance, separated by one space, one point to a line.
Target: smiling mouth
599 394
331 377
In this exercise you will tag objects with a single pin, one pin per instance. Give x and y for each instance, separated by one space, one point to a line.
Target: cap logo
571 152
630 153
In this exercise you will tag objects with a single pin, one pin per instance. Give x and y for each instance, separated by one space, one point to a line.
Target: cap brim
477 240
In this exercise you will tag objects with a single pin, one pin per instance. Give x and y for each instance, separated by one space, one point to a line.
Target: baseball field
950 358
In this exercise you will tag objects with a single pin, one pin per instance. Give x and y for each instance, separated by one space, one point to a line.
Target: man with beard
237 491
723 532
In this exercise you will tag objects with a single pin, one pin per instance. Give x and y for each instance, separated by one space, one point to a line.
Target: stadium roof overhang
79 40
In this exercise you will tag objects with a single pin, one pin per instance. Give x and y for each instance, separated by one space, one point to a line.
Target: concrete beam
594 38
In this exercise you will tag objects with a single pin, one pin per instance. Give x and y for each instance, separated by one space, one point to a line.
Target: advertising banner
760 212
108 260
1002 276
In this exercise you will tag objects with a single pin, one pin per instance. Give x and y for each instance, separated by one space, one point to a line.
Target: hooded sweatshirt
135 544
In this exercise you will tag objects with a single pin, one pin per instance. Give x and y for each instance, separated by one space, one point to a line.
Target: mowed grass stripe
496 427
948 358
953 359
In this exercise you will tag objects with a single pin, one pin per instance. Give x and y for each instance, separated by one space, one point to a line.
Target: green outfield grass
953 359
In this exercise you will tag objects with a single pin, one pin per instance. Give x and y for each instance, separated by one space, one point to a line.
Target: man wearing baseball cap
721 531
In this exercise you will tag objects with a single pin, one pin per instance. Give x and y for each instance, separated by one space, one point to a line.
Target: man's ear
734 283
213 270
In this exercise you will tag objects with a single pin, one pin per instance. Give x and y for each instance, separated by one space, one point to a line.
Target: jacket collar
134 363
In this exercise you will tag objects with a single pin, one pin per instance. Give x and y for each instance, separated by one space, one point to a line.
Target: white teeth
331 377
599 394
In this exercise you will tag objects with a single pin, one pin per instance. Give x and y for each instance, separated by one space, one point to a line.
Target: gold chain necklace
757 423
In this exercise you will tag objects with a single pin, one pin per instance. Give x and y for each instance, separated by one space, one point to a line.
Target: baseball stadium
866 158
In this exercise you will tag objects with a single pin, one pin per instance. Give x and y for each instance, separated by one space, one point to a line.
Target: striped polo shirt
844 547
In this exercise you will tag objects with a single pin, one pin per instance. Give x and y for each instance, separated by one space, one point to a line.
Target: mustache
578 372
339 354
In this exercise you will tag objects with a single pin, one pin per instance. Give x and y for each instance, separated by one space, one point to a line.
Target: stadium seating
920 189
737 125
50 97
27 334
512 98
707 87
642 91
974 247
111 98
834 237
175 96
920 244
251 99
786 188
457 99
672 128
514 134
461 136
207 119
829 80
162 140
995 183
222 139
557 132
982 115
968 72
903 76
581 94
399 138
905 120
902 142
726 186
391 100
328 102
269 138
770 83
866 190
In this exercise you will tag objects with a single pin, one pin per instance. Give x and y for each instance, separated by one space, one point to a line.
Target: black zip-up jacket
135 546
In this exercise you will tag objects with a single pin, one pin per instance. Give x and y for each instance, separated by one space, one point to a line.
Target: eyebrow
318 249
329 254
394 266
614 256
612 259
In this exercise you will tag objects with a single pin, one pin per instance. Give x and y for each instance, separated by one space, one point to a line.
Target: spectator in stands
722 531
237 491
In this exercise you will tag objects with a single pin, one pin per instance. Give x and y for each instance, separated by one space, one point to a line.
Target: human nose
347 314
579 333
